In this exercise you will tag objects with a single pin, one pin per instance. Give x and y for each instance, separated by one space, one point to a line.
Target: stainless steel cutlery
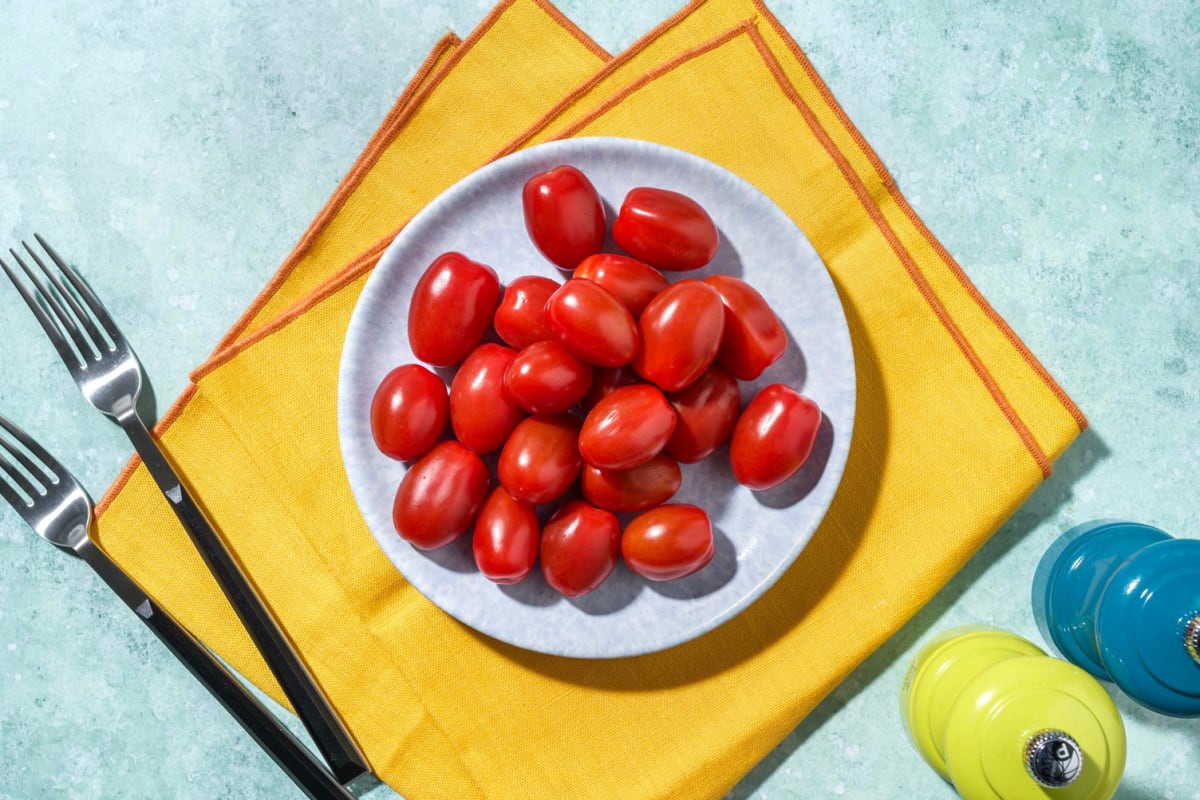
109 375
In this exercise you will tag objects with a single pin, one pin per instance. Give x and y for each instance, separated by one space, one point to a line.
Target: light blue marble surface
177 150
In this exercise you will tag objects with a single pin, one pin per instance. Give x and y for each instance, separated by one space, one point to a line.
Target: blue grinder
1122 601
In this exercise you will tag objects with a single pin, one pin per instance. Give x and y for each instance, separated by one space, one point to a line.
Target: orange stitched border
600 75
362 264
379 141
573 29
890 184
860 190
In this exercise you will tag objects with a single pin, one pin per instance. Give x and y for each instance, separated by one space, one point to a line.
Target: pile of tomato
599 387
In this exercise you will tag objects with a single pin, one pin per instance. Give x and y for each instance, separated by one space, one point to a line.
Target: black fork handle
331 738
284 749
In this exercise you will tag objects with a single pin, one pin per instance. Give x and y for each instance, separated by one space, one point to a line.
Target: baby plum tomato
627 427
580 547
545 378
637 489
563 215
754 339
665 229
408 412
681 332
451 309
521 318
506 538
668 542
707 410
773 437
440 496
481 415
592 323
540 461
632 282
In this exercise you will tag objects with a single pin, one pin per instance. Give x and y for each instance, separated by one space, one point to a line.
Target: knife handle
284 749
335 743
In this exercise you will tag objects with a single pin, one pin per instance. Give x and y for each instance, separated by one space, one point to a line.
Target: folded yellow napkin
956 424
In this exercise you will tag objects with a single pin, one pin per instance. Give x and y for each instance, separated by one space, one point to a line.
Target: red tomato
563 215
626 428
408 412
480 413
545 378
580 547
451 309
681 332
631 281
707 410
521 318
773 437
665 229
604 381
644 486
541 459
439 496
507 536
668 542
754 339
593 323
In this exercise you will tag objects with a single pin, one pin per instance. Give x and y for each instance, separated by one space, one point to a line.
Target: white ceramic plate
758 534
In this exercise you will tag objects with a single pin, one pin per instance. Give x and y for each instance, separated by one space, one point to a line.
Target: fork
103 364
57 507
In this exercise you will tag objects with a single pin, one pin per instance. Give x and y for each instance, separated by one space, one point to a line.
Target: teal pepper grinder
1122 600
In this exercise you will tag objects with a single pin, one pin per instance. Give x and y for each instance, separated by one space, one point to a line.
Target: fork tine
90 347
15 474
7 492
81 314
40 453
55 334
85 292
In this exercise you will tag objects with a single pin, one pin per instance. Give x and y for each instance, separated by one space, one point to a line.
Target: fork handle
292 757
335 743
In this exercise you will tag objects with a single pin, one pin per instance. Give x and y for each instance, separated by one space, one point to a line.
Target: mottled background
179 149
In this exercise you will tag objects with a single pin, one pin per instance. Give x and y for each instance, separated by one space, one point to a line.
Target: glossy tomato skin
521 318
580 547
636 489
754 338
546 378
604 381
706 410
481 414
451 309
633 282
628 427
506 539
563 215
592 323
773 437
408 412
681 332
668 542
440 496
540 461
666 229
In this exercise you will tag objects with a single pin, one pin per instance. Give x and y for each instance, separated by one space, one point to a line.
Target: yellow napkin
956 424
